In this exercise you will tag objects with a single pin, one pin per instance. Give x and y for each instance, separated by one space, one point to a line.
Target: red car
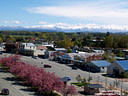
47 66
5 91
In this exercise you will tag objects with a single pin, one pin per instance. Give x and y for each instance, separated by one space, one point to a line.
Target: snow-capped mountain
67 28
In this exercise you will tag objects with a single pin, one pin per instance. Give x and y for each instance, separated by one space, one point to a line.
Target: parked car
1 52
67 77
74 67
47 66
35 57
5 91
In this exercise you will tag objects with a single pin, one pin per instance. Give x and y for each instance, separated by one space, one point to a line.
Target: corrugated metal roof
58 49
123 64
95 86
101 63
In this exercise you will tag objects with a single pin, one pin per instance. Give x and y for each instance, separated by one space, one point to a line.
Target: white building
31 49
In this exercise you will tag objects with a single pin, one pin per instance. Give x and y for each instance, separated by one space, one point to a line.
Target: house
97 66
117 67
91 89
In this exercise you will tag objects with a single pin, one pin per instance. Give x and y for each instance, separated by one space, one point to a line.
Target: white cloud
15 22
98 11
81 11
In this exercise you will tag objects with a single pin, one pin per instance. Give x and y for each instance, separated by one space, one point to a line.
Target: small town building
67 58
91 89
40 51
118 67
26 49
97 66
47 44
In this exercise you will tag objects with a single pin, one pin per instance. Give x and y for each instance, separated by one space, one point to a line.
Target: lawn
80 84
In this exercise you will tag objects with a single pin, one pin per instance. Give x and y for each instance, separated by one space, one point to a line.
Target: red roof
41 47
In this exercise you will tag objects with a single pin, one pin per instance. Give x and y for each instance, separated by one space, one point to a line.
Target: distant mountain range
61 29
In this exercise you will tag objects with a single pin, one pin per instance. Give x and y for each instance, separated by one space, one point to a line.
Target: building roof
101 63
28 44
123 64
120 58
41 47
95 86
60 49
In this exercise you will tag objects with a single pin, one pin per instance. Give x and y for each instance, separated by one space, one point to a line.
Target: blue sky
68 13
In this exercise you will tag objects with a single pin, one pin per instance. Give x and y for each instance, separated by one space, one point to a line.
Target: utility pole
121 86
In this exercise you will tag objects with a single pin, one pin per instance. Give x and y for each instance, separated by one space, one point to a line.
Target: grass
80 84
5 67
49 94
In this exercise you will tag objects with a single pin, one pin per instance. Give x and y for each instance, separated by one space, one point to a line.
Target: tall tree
124 42
116 42
108 41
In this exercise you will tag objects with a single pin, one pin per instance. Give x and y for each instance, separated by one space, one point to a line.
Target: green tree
108 42
78 43
78 78
1 40
10 38
42 36
110 57
116 42
66 43
123 42
69 51
89 79
120 54
108 34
